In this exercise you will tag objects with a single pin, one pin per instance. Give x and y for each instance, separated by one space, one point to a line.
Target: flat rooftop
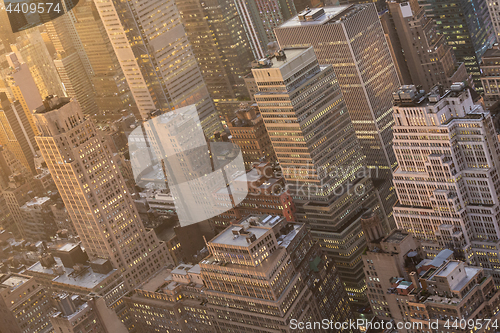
290 54
329 15
449 267
182 269
15 281
68 247
36 202
86 279
158 280
51 103
396 236
492 53
228 238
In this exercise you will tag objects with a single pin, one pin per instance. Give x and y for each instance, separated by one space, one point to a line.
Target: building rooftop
396 236
264 267
285 240
68 247
156 281
36 202
447 269
51 103
441 258
182 269
279 59
411 96
492 53
15 281
227 237
315 17
86 278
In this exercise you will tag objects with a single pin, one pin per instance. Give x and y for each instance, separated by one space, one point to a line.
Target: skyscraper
234 47
263 272
260 18
468 29
72 62
94 192
31 49
494 10
205 48
490 76
176 302
76 81
12 194
249 133
314 140
110 87
156 58
429 59
351 38
23 87
16 133
447 180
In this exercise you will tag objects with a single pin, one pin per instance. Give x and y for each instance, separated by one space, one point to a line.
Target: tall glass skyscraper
156 58
352 39
324 168
467 26
260 18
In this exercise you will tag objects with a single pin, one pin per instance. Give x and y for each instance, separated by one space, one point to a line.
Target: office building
320 157
8 37
17 193
468 29
110 87
76 82
157 60
260 18
262 272
251 86
428 293
204 44
490 76
229 33
9 166
94 192
12 195
31 49
24 305
38 220
175 301
447 180
67 269
249 133
72 62
429 59
89 314
16 133
6 220
364 69
267 194
23 87
494 10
